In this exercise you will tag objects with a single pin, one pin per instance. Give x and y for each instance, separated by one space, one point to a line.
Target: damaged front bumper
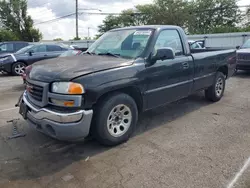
59 125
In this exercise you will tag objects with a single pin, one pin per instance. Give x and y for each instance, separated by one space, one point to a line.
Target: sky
43 10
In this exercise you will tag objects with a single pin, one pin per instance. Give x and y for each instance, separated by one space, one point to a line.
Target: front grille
245 57
35 91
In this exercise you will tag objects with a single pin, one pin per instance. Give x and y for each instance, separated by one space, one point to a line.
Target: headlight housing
4 58
70 88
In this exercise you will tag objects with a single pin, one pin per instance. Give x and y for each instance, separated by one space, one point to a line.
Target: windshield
246 44
25 49
128 43
70 53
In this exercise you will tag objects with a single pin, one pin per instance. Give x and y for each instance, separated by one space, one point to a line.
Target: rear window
7 47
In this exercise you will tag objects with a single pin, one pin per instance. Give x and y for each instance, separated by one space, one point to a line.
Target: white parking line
239 174
8 109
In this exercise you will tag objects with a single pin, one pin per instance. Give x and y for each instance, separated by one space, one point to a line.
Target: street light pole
88 33
77 36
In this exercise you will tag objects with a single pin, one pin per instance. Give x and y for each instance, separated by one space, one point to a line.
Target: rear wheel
18 68
115 120
216 91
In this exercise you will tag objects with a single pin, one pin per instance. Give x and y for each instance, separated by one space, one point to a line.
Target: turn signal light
75 88
69 103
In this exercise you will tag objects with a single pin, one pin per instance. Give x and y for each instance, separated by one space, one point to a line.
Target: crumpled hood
247 50
67 68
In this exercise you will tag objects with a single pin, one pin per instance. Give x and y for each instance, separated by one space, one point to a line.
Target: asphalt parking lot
191 143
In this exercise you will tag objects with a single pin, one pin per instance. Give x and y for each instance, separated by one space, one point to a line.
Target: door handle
45 55
185 65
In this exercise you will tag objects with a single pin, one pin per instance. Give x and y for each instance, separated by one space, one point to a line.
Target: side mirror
31 52
237 47
163 54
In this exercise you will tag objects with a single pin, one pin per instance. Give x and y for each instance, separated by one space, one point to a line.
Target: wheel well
21 61
224 70
131 91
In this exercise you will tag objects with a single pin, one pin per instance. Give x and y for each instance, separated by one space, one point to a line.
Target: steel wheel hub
119 120
219 87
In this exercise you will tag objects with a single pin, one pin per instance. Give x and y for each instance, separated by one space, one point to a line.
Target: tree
196 16
77 38
57 39
13 16
6 35
87 38
110 22
207 16
248 16
161 12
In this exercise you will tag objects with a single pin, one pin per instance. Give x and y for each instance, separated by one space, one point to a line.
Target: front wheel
216 91
115 119
18 68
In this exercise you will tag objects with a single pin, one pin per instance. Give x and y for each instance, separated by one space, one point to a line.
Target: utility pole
77 36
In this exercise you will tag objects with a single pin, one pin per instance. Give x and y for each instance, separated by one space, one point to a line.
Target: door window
20 45
170 39
54 48
40 48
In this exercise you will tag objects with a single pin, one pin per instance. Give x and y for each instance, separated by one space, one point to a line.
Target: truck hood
67 68
246 50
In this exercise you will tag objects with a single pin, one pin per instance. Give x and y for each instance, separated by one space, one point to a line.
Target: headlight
67 88
4 58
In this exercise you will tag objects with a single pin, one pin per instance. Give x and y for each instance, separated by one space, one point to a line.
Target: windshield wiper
110 54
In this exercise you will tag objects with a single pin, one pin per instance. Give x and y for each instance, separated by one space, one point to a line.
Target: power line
131 14
56 19
90 13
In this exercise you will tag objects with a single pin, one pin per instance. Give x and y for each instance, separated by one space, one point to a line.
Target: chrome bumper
63 126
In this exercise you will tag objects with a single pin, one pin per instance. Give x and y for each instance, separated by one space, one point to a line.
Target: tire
18 68
115 119
216 91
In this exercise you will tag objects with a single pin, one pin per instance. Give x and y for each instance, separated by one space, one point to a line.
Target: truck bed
206 63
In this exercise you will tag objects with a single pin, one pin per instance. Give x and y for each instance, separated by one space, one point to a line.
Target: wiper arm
110 54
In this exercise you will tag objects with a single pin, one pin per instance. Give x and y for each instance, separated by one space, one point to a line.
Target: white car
195 44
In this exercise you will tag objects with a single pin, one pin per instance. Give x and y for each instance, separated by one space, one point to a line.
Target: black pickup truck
125 72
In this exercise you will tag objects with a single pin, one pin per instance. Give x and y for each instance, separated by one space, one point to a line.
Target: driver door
170 79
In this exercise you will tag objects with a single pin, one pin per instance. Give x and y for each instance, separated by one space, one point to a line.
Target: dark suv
11 47
16 63
243 56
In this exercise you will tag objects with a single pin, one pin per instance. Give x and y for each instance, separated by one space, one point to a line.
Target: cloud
44 10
